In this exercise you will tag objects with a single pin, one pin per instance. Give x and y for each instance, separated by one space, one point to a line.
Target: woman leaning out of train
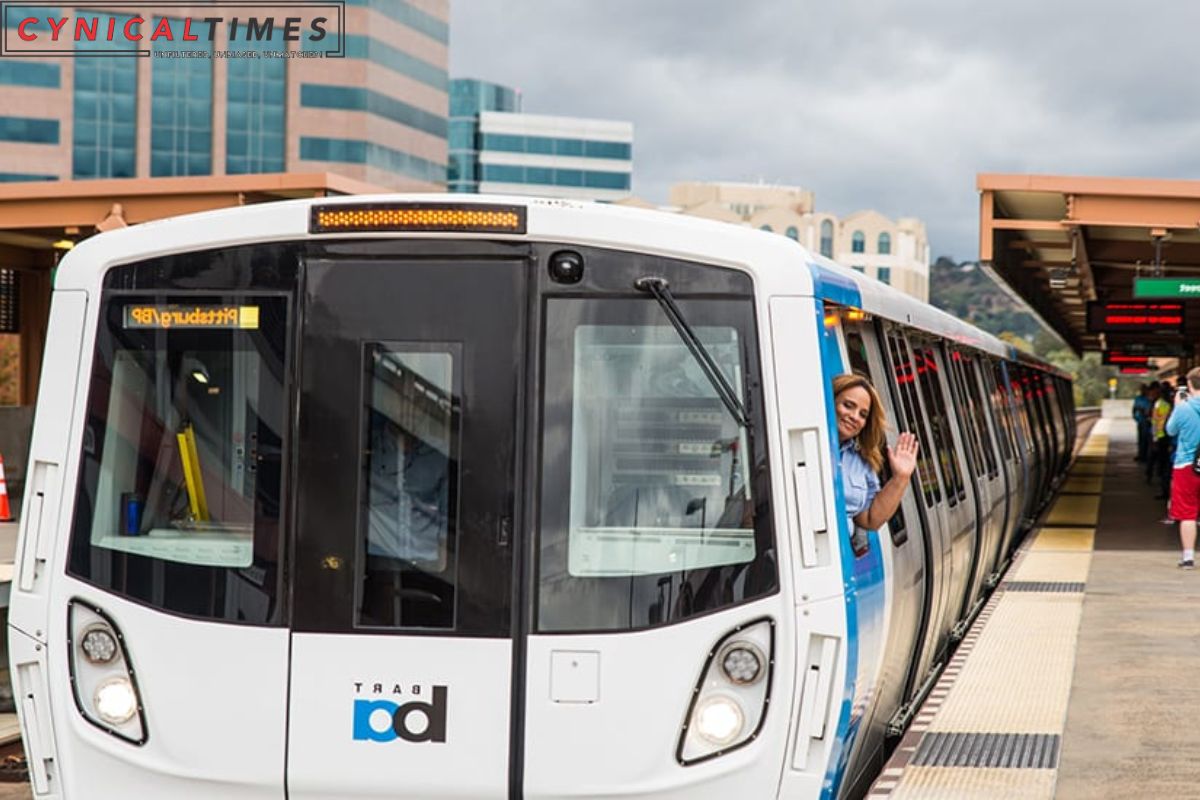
862 430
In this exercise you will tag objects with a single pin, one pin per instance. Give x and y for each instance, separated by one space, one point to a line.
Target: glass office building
494 148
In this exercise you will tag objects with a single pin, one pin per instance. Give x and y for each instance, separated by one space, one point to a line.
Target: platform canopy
41 220
1063 242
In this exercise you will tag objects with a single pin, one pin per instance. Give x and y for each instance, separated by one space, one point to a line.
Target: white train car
450 497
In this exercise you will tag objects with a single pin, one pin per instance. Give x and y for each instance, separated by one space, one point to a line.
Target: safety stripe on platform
1043 586
1006 689
969 783
1064 539
1043 566
1074 509
1012 750
1083 484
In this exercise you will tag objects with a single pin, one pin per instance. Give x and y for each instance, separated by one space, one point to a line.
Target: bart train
495 498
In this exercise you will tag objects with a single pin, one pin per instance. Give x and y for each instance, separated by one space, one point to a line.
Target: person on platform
1184 425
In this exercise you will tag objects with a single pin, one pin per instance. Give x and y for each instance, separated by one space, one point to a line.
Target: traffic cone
5 511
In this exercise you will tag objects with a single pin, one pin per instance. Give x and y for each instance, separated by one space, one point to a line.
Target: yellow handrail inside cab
191 473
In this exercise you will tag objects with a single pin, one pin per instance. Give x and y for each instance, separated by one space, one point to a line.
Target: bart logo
414 721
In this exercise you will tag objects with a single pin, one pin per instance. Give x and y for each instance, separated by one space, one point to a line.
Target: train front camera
566 266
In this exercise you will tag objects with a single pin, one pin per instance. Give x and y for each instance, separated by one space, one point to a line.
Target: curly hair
873 437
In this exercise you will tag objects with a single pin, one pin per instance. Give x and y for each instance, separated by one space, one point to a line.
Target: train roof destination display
1134 317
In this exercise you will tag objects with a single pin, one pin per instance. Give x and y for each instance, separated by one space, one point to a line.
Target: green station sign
1166 287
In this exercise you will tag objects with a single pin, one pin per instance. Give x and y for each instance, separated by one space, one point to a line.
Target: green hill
968 293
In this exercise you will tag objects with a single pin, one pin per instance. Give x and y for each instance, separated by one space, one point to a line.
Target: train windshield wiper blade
658 288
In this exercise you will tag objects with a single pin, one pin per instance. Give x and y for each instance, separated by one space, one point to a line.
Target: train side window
1008 441
856 348
971 374
966 415
906 381
935 407
410 421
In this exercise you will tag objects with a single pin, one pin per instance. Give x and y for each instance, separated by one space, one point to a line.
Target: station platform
1075 680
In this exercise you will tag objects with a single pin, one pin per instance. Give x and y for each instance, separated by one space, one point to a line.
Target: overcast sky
888 105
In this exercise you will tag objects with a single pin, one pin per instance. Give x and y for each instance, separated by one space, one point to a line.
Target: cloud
888 105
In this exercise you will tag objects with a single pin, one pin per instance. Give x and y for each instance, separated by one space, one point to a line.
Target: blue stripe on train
863 577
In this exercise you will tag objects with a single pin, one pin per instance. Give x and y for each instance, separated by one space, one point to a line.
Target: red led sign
1135 317
1119 359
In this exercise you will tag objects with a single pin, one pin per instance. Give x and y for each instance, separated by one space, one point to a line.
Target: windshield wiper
658 288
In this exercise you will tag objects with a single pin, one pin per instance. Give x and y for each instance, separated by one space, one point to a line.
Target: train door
1009 378
980 465
1011 455
960 503
994 461
929 497
401 649
904 552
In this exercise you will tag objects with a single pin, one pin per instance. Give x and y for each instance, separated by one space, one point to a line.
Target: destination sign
1119 359
164 317
1167 349
1133 370
1136 317
1166 287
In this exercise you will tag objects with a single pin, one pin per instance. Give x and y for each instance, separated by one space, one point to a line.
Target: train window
856 348
939 423
966 415
906 381
1000 407
650 507
971 377
407 514
179 495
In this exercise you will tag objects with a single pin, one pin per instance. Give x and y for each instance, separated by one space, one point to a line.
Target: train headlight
742 663
116 701
729 704
719 719
102 675
99 646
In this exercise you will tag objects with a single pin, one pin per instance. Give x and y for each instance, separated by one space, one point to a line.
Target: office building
496 149
469 98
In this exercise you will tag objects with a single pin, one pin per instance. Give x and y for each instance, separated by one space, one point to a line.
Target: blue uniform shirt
860 484
1184 423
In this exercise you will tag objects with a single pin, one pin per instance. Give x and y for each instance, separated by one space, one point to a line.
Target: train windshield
649 510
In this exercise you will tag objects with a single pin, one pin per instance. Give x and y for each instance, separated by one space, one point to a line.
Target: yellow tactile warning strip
1009 681
1074 509
1083 484
957 783
1060 539
1045 564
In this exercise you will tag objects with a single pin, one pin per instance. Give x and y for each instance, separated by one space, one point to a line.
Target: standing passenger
1184 424
861 427
1160 449
1141 417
